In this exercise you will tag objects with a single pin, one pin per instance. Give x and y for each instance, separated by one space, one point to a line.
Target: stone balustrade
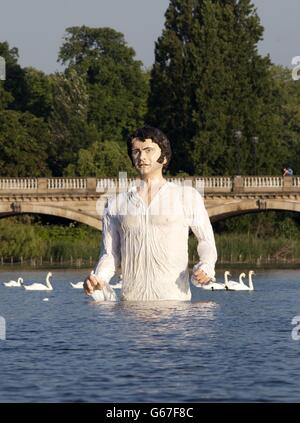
8 184
211 184
263 181
66 183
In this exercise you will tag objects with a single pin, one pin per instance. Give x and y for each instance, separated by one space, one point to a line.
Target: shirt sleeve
200 225
109 259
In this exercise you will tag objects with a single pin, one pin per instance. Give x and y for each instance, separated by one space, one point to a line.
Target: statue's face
145 155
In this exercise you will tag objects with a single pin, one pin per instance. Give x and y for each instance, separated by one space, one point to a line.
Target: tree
117 86
26 89
208 81
14 83
5 96
68 123
102 159
290 113
38 93
23 143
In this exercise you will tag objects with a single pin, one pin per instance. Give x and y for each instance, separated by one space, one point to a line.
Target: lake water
222 346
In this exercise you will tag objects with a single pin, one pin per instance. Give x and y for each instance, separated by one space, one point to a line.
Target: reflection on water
161 310
151 324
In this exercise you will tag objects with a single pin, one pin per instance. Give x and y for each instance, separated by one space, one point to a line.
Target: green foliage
290 112
38 93
68 123
15 77
116 83
19 239
5 96
208 80
258 237
264 225
238 248
102 159
23 143
247 248
26 90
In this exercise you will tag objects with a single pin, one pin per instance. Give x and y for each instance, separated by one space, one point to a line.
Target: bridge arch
78 216
216 212
235 208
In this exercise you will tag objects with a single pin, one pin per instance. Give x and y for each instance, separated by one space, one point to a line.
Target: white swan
11 284
77 285
40 286
241 286
232 285
251 286
213 286
245 287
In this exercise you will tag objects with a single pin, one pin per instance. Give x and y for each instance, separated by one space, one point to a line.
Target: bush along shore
33 243
36 241
248 249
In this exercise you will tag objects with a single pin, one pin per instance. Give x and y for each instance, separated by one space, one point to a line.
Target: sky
37 27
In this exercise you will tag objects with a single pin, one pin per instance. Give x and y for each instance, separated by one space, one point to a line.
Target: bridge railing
296 181
66 183
211 184
216 183
8 184
263 181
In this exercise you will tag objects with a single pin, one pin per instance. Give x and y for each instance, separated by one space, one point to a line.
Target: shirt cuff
103 275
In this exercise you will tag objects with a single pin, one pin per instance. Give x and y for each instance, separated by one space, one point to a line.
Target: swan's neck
250 281
241 280
226 278
48 283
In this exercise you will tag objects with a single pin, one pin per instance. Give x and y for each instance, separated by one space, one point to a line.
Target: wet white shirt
150 243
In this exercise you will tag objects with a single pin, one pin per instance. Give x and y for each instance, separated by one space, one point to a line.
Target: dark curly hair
157 136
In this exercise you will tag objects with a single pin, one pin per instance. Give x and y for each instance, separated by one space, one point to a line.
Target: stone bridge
83 199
